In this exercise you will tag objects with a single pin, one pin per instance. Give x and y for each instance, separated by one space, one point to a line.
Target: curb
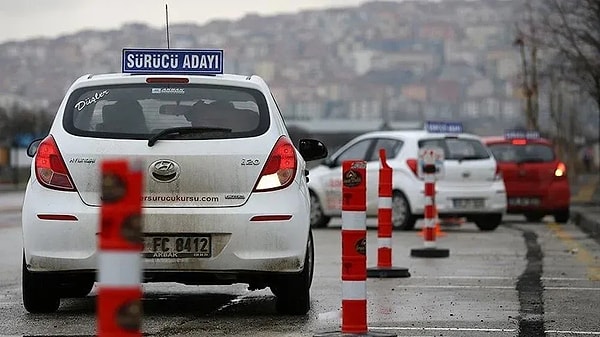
10 209
586 221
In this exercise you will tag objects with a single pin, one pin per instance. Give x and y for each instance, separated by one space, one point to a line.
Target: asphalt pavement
585 202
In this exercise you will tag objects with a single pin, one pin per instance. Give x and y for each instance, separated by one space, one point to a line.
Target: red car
535 179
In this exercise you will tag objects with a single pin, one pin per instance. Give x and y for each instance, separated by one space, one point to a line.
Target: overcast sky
24 19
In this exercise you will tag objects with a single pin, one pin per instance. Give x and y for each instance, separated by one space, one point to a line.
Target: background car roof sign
172 61
521 134
443 127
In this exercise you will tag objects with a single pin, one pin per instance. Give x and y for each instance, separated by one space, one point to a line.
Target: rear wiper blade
470 158
530 160
184 130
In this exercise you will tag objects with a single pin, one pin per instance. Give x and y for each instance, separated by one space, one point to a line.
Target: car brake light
519 142
561 170
165 80
280 168
412 164
50 169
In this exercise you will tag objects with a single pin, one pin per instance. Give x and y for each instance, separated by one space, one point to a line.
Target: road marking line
442 329
571 288
582 255
565 279
501 278
457 286
571 332
466 277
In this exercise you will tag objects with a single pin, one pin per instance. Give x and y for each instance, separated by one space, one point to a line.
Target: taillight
561 170
412 164
50 169
280 168
519 142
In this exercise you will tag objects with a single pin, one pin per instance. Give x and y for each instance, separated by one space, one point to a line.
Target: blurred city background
339 72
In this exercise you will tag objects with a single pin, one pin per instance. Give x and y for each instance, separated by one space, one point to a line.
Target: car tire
39 295
534 217
293 292
76 290
488 222
318 219
562 216
402 217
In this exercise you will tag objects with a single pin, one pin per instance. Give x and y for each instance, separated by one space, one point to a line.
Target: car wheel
488 222
402 218
293 293
534 217
562 216
76 290
317 218
39 296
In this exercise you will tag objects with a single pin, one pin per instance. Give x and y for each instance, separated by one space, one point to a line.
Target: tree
570 30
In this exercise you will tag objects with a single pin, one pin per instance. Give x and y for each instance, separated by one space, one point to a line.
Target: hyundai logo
164 170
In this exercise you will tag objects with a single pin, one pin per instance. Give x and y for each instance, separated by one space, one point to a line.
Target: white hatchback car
471 186
219 165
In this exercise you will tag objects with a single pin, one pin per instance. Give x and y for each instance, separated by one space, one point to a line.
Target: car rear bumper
555 196
493 200
238 244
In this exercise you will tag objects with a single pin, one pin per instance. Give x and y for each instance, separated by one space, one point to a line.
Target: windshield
522 153
139 111
458 148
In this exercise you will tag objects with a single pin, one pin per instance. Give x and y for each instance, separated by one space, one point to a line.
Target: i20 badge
164 170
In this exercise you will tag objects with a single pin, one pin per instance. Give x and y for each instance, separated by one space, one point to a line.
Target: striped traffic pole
384 268
430 249
120 244
354 251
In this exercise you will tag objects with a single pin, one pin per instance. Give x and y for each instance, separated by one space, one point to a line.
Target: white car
219 166
470 187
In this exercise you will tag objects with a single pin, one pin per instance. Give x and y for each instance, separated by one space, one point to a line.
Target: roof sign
444 127
521 134
172 61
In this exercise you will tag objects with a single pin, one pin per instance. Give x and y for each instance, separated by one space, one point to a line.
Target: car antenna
167 21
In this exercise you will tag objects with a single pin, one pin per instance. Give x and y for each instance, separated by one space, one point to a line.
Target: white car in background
470 187
219 170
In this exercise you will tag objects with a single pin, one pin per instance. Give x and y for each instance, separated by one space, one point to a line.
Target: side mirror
312 149
33 147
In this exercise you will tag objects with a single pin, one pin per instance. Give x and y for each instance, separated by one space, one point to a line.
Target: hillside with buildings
389 61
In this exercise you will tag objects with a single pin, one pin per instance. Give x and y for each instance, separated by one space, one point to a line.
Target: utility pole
529 68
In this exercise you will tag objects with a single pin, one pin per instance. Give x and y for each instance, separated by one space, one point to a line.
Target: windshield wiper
184 130
469 158
530 160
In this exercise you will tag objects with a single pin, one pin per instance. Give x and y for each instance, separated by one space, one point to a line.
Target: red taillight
519 142
561 170
50 169
412 164
280 169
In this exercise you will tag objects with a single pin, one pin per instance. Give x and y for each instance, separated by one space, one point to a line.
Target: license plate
184 246
523 201
469 203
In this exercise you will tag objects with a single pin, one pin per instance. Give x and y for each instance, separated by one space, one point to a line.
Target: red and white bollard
384 266
354 251
430 249
120 243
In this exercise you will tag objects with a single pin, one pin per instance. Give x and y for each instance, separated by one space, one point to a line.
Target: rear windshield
522 153
458 148
140 110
